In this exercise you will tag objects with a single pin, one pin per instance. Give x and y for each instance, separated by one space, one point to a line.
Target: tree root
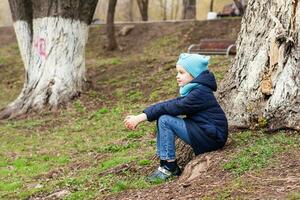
185 153
200 165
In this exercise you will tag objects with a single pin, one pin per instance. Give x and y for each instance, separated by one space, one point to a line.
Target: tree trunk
239 6
262 86
51 37
112 43
130 10
163 5
189 9
143 7
211 7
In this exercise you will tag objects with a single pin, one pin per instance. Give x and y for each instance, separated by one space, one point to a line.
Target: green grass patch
163 45
144 162
114 162
29 124
135 96
257 154
109 61
294 196
78 106
113 148
135 134
116 184
81 195
10 187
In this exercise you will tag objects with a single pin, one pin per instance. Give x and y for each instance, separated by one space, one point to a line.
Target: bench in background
214 47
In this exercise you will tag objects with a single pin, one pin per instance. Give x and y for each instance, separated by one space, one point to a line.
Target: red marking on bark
41 47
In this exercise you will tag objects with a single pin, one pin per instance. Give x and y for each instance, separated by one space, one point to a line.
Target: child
205 126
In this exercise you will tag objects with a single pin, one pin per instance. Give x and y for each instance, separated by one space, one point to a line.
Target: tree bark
239 6
130 10
189 9
261 89
185 153
112 42
51 37
143 7
262 86
211 7
163 5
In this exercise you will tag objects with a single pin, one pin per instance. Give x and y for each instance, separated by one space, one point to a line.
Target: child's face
183 77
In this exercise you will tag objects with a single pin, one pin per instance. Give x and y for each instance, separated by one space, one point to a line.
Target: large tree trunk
51 37
143 7
112 42
262 88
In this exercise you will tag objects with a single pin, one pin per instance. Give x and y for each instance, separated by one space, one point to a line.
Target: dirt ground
271 183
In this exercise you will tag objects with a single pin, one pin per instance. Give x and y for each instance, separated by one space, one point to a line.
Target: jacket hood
207 79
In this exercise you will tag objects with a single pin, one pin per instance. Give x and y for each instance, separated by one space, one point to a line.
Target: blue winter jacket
205 120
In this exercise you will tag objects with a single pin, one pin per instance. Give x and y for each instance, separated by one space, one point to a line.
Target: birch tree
51 36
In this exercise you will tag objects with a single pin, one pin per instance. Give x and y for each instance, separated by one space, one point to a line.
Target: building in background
127 10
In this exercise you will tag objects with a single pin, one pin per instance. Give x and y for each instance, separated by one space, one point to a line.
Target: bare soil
273 182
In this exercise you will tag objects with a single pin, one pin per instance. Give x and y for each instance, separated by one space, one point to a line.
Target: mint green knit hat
195 64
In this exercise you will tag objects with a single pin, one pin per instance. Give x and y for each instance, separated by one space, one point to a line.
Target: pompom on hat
194 64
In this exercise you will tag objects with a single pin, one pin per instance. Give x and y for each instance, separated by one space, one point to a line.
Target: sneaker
162 174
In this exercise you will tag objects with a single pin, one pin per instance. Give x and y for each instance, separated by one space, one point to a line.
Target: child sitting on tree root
205 126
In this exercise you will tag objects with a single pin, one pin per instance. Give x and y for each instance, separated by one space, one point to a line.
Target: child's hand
131 122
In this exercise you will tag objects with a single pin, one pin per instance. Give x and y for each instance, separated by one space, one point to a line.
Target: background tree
52 36
189 9
112 42
239 6
143 7
211 6
263 85
130 10
174 9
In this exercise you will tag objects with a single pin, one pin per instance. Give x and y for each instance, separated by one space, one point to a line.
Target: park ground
83 151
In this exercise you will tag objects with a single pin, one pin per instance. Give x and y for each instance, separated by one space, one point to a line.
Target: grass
294 195
260 152
255 153
32 149
85 148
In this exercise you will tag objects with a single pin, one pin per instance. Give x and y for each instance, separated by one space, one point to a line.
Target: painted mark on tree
40 45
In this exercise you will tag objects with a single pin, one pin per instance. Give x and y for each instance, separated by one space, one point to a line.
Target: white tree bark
54 62
262 86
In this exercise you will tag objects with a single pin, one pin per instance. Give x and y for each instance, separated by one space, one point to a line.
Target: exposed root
13 110
184 153
27 103
201 164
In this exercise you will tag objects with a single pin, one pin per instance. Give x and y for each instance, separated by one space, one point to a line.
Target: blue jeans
169 127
